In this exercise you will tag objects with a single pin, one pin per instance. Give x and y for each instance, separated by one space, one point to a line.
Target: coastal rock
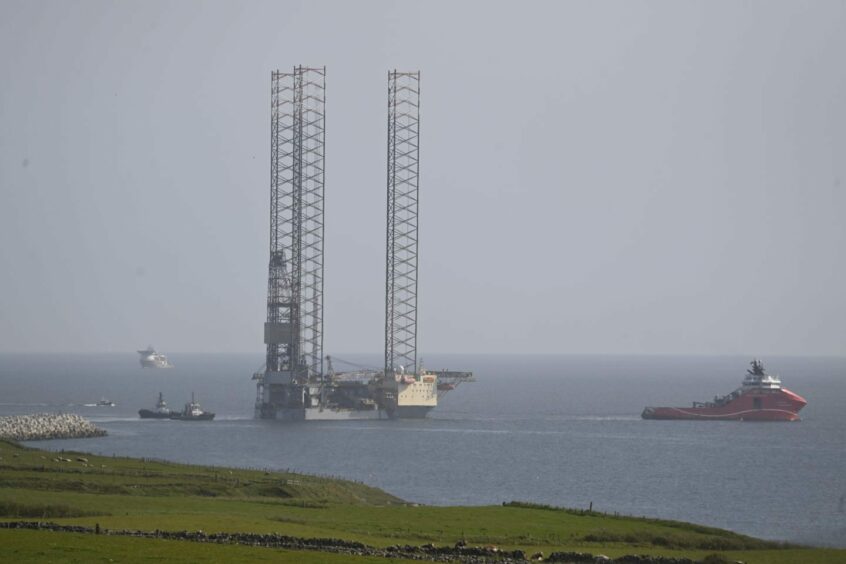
42 426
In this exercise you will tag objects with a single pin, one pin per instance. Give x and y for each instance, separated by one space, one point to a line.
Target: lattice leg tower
280 330
294 328
312 153
402 233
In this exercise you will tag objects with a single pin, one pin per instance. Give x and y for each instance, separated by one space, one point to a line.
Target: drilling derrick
293 332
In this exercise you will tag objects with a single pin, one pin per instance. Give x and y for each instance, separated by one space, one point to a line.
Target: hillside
155 508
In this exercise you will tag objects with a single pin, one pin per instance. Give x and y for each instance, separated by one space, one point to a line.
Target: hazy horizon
649 178
338 357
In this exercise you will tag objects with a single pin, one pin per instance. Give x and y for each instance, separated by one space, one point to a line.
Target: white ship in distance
152 359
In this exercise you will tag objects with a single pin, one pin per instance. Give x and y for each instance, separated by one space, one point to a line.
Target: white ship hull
145 363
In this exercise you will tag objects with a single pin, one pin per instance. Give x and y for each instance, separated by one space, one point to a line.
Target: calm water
562 430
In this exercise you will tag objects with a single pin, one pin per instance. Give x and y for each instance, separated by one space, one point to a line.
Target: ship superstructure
161 410
152 359
298 381
192 412
761 397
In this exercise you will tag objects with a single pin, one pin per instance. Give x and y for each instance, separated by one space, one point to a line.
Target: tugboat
192 412
152 359
760 398
160 412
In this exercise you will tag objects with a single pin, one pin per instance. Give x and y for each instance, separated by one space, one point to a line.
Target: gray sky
613 177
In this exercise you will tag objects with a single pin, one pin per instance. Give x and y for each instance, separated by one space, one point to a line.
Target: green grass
124 493
42 510
39 547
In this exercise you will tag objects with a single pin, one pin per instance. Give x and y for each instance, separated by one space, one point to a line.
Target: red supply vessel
760 398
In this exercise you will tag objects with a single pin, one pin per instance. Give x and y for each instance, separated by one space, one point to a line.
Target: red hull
752 405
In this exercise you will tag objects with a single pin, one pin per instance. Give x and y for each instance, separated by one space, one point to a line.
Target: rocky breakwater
47 426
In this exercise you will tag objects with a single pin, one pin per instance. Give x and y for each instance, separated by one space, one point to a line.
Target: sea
562 430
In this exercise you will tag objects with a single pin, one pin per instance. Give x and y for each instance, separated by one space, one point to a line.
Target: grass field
123 493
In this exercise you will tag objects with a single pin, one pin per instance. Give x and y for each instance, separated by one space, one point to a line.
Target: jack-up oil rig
295 383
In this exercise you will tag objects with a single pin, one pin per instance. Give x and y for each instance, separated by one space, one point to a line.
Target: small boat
192 412
160 412
105 403
761 397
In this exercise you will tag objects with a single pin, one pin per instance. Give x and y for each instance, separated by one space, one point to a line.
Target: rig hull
407 404
317 414
411 412
351 396
408 397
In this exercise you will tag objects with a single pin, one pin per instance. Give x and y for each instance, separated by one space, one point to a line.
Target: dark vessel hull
182 417
150 414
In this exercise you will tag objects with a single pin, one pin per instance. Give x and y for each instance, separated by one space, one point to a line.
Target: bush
715 559
13 509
